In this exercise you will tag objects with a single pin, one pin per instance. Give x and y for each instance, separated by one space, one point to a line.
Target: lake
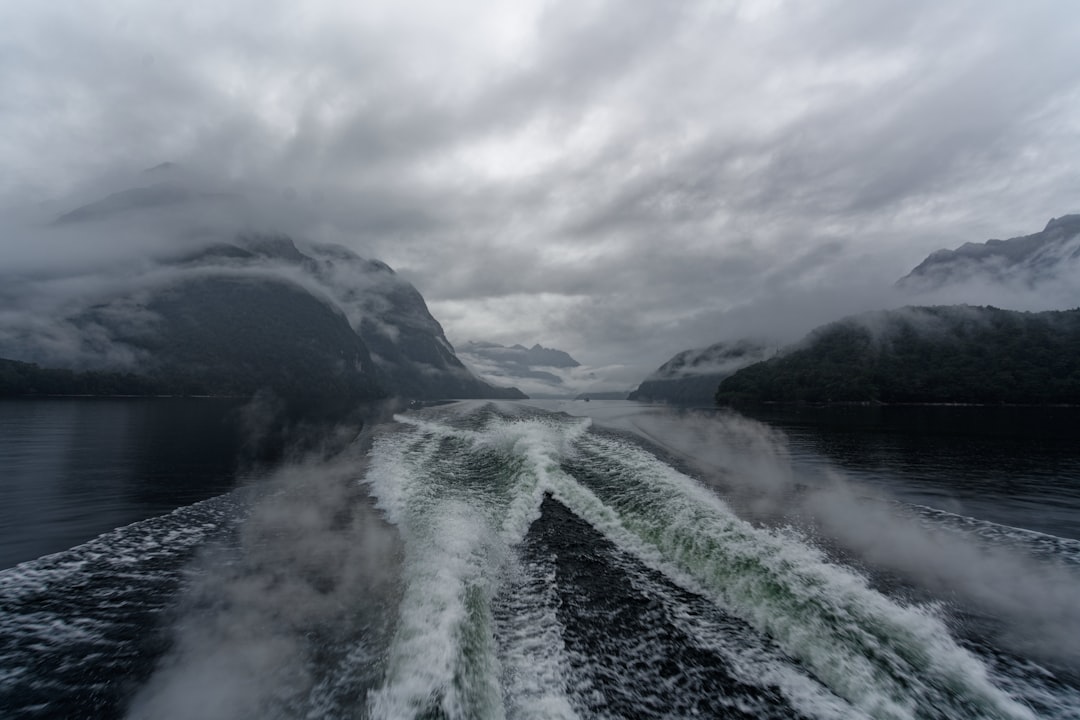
548 559
1016 466
73 468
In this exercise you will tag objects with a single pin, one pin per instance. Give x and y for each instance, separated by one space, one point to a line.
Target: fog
620 183
309 580
80 291
116 249
750 464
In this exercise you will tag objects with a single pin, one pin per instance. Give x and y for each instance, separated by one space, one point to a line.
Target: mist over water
511 560
286 620
170 165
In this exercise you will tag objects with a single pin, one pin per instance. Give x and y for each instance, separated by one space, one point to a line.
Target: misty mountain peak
692 376
222 307
164 168
523 358
1066 223
150 196
1026 260
275 246
544 372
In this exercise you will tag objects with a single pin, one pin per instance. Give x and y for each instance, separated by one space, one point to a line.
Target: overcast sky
621 180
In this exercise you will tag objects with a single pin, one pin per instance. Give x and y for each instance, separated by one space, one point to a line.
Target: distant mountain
1025 261
320 326
604 395
157 195
945 354
521 357
234 335
692 376
407 344
546 371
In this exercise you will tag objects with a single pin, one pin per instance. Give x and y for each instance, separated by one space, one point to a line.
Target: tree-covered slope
691 376
318 326
20 379
956 354
223 335
236 335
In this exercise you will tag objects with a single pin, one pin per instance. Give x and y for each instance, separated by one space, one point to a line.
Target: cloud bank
621 182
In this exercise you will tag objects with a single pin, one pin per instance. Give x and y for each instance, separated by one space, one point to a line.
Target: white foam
531 647
83 597
1045 545
887 659
459 531
460 527
442 653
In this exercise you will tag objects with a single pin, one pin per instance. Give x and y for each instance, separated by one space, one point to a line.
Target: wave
464 490
1042 545
538 567
76 622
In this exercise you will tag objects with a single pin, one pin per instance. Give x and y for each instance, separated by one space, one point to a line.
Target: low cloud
1036 601
289 619
621 182
88 307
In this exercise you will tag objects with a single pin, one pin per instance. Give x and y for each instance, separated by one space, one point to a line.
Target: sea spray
889 659
538 568
464 489
462 499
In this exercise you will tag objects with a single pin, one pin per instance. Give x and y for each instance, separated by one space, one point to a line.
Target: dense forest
27 379
226 337
691 376
957 354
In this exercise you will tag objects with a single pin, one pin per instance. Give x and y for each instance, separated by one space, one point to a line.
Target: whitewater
504 560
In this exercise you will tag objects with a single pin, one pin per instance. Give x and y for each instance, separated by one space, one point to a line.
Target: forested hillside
957 354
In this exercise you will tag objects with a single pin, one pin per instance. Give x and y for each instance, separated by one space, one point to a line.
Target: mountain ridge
315 323
1027 259
692 376
934 354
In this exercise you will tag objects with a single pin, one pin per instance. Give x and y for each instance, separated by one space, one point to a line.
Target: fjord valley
496 557
541 360
321 329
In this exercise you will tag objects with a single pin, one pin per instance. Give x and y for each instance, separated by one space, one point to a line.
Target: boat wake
486 560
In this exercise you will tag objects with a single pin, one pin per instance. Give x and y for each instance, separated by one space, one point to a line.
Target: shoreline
871 403
115 396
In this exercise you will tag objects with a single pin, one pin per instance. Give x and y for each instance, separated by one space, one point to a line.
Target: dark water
1016 466
71 469
510 560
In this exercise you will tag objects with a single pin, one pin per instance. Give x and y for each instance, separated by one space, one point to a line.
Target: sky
620 180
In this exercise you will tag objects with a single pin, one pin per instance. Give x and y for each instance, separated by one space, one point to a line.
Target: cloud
91 307
619 181
302 593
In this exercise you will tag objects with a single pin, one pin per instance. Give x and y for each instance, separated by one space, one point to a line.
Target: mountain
544 371
603 395
320 326
1024 261
410 350
520 359
21 379
944 354
692 376
157 195
230 336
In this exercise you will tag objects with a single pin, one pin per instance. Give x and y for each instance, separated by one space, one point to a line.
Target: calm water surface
71 469
513 560
1009 465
